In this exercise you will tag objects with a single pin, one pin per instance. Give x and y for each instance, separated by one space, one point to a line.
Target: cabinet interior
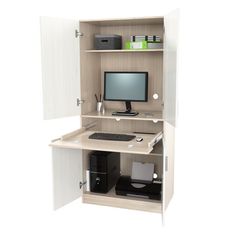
92 67
126 161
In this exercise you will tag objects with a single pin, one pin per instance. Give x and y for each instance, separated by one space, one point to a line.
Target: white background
205 166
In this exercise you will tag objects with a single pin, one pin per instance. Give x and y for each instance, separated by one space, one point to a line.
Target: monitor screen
126 86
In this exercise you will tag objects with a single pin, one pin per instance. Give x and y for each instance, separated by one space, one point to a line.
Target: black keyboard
112 137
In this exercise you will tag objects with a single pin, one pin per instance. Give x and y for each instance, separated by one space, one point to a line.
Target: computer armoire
73 73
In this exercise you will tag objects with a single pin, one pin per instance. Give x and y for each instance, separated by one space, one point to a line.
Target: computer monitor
126 86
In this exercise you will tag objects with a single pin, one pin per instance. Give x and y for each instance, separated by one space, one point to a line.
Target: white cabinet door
168 163
67 175
170 60
60 67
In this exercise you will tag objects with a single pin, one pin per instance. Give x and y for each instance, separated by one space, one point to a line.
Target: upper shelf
127 21
144 115
126 50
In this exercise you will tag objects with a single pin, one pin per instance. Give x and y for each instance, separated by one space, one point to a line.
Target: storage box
154 45
107 42
136 45
139 38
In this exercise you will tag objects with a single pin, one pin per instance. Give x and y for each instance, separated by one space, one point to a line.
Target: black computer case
104 170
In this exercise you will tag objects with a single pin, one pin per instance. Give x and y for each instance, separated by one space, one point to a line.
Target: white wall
204 200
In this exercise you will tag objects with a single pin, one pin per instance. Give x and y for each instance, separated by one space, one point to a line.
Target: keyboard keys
112 137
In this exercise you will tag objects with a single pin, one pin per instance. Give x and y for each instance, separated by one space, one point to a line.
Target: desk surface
81 141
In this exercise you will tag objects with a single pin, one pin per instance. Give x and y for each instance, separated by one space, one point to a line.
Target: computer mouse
139 139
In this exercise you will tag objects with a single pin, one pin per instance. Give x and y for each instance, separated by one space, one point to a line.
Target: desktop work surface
80 140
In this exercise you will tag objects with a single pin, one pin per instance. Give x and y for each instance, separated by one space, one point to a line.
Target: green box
136 45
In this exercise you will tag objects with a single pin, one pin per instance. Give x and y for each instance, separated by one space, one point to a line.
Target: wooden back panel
90 68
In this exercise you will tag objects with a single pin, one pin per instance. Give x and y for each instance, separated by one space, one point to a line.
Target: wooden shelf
144 115
111 199
125 50
80 140
126 21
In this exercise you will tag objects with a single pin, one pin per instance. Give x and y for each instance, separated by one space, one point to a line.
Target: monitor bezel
126 72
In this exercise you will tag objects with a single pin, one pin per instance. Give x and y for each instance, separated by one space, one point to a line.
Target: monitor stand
128 111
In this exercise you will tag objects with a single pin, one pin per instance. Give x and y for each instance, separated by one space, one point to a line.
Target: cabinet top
126 21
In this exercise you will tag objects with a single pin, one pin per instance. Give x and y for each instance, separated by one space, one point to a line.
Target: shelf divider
125 50
144 115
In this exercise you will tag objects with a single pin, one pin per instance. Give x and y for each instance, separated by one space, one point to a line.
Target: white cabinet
73 70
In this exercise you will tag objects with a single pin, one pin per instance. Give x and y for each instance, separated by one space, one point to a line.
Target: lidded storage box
107 42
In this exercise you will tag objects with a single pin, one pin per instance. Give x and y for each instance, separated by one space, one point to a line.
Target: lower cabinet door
67 175
168 163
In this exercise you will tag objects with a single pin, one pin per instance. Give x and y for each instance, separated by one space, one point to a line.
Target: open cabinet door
168 164
67 175
169 112
170 60
60 67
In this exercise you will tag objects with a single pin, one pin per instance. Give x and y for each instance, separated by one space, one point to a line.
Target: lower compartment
123 195
113 200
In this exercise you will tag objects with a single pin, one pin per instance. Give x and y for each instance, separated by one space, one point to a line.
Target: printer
140 183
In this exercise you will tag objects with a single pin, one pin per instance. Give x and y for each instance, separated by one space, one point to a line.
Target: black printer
126 187
140 184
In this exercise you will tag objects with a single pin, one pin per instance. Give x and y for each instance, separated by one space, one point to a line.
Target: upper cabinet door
60 67
170 61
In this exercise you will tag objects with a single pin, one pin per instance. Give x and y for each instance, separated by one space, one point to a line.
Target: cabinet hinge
81 184
78 34
78 101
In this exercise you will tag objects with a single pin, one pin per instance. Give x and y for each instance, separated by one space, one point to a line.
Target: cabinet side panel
67 174
168 168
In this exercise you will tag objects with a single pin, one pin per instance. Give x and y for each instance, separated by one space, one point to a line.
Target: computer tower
104 170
